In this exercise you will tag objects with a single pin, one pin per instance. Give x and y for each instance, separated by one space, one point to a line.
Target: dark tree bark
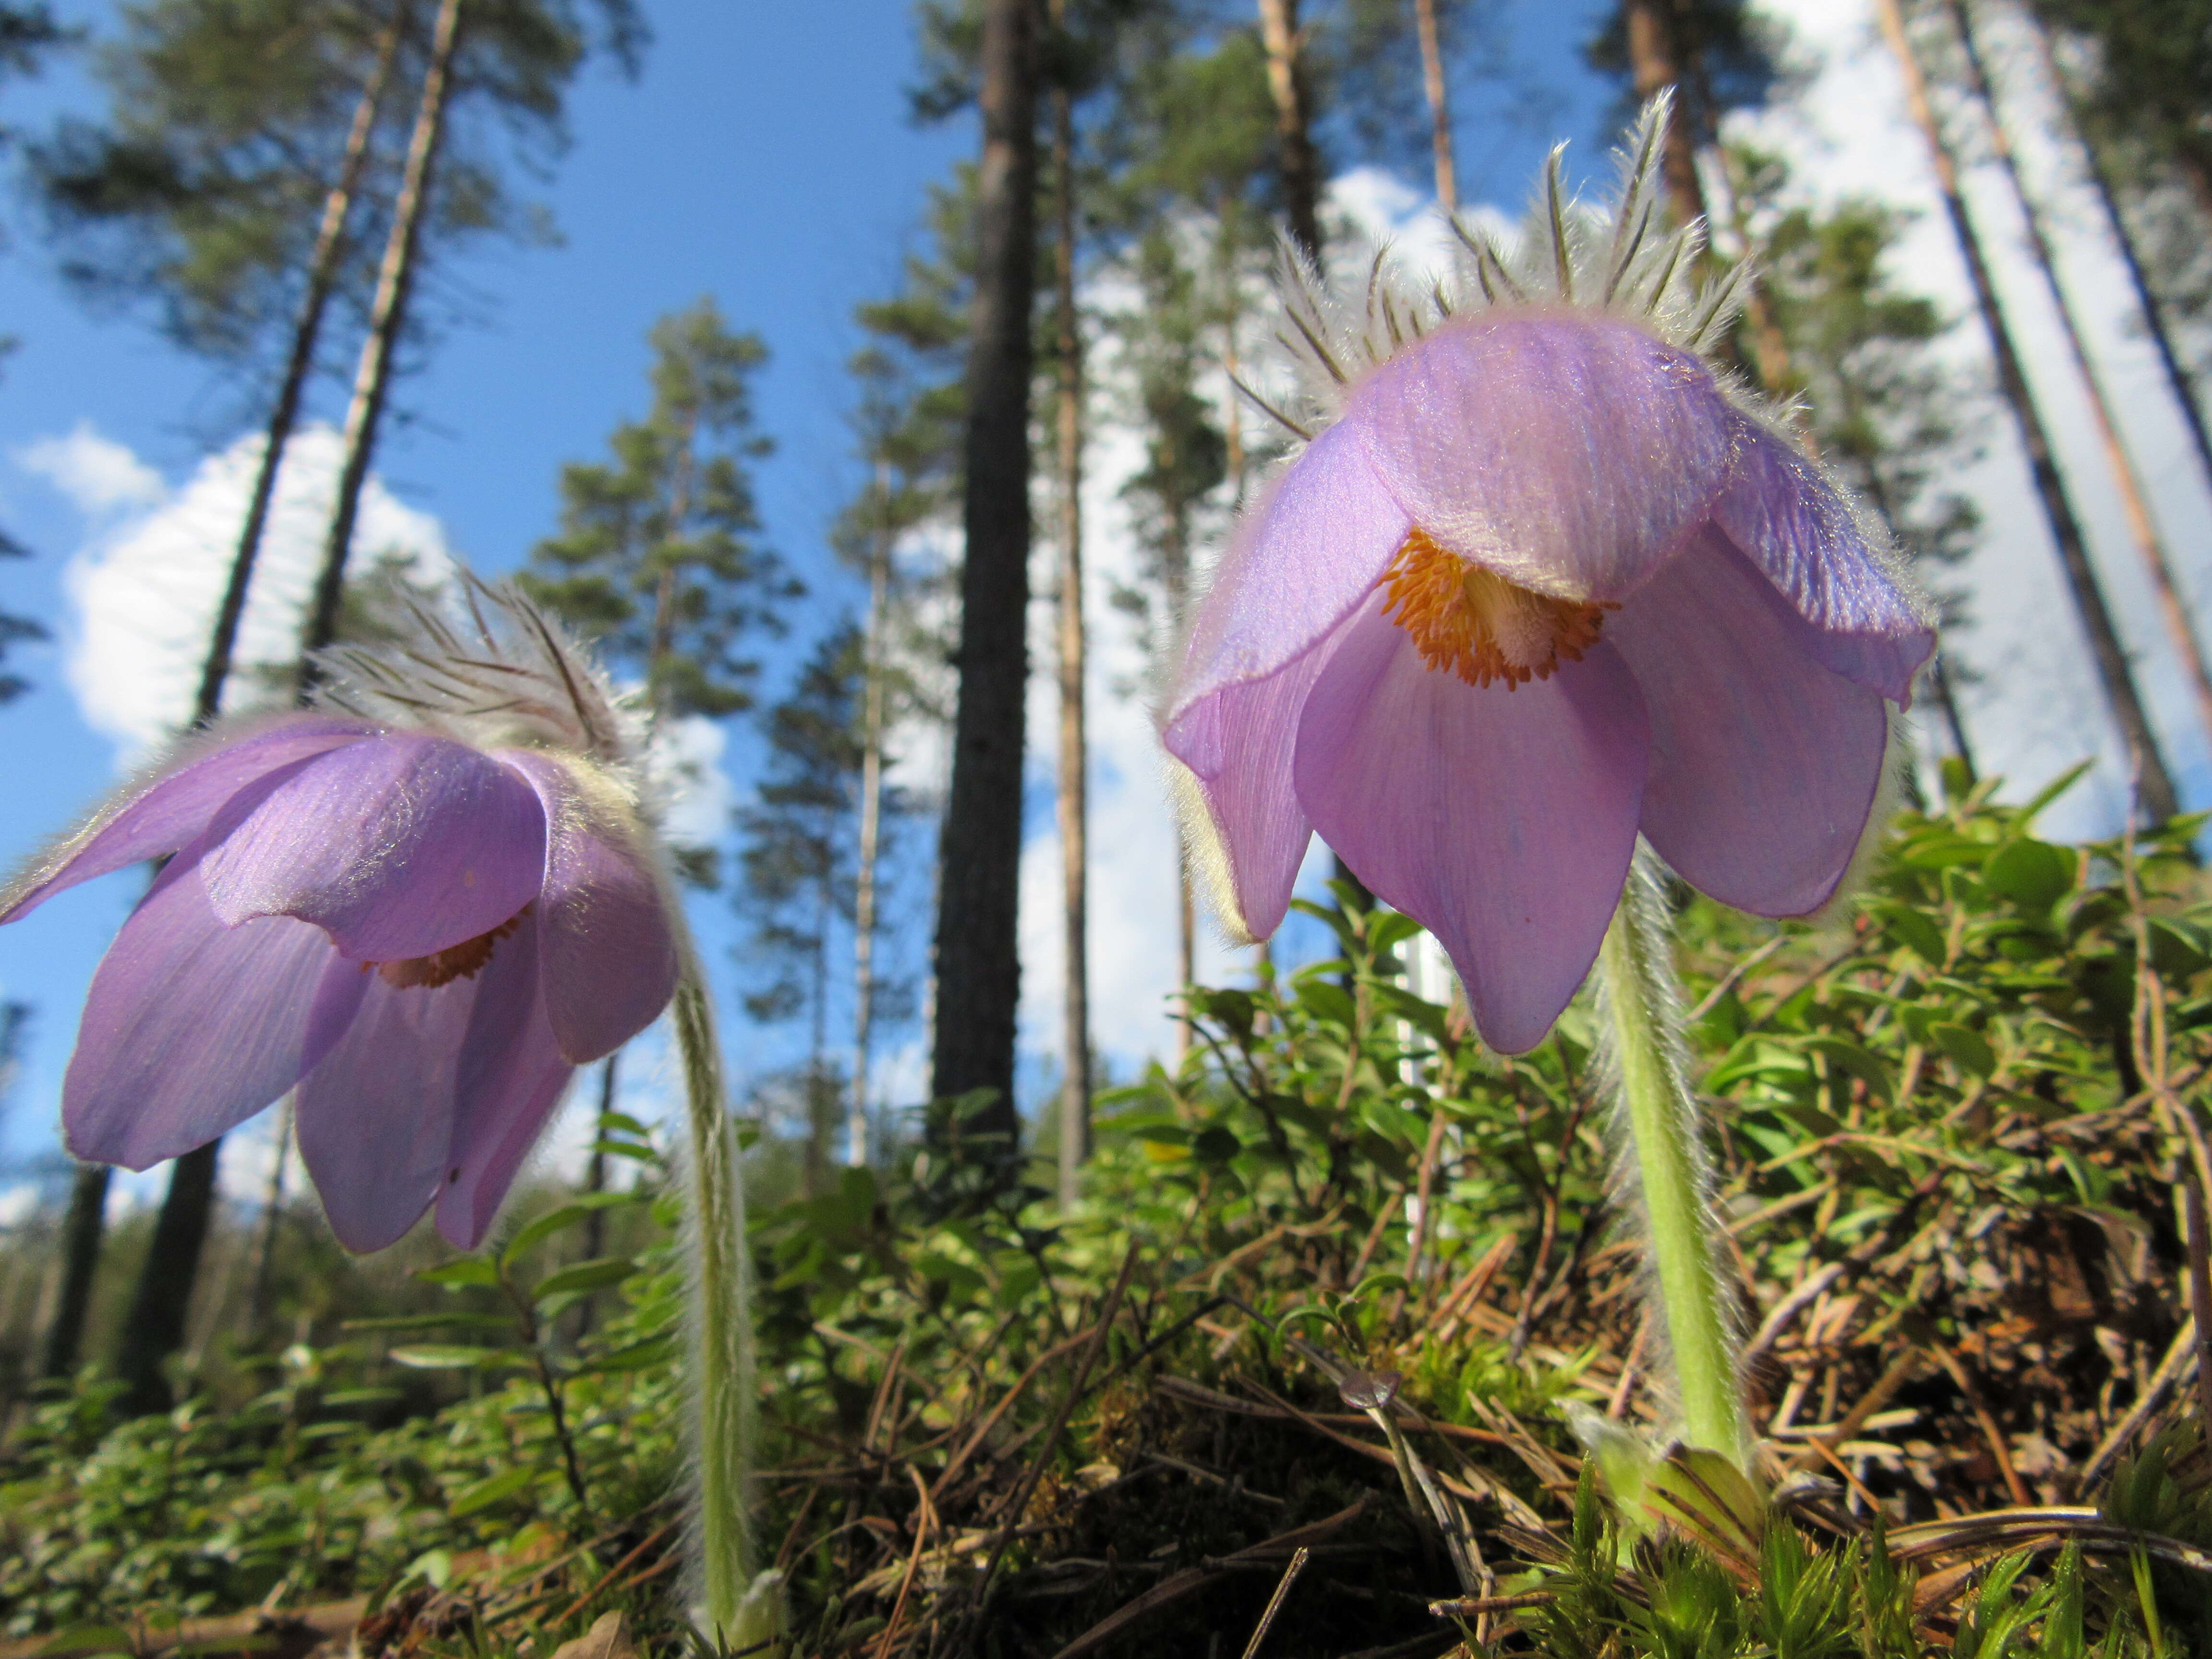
322 282
395 281
81 1234
2160 800
872 819
1440 123
1655 60
978 971
2157 322
1297 162
154 1328
1075 752
2135 505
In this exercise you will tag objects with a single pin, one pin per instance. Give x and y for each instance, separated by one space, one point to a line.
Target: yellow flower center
1478 624
463 961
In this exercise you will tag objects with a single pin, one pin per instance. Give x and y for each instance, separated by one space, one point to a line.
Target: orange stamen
1478 624
463 961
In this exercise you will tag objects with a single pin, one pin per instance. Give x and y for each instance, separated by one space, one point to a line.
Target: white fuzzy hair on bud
1614 262
508 674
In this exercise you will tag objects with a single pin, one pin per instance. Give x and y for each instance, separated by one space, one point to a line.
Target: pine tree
659 558
798 863
2123 170
907 421
2135 505
2109 656
978 970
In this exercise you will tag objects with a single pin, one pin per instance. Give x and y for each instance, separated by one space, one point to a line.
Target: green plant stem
1664 1164
721 1317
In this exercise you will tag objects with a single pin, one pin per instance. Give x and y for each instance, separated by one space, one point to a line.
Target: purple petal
1571 455
170 812
190 1027
398 846
1763 765
1251 731
1302 559
1503 820
1788 518
606 950
510 1078
376 1115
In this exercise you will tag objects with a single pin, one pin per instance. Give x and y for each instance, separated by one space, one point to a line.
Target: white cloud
687 762
98 475
146 584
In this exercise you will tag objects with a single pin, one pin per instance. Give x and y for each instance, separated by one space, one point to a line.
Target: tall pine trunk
262 1281
395 281
2158 799
1432 83
2156 321
1074 754
322 283
2143 530
1296 162
1655 63
978 966
872 806
82 1235
1662 60
154 1328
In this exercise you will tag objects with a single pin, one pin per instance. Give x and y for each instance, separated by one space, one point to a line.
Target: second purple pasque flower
421 906
1540 580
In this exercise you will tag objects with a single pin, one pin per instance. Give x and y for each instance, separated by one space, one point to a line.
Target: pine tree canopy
657 555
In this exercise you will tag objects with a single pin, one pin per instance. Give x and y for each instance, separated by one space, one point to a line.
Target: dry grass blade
1275 1602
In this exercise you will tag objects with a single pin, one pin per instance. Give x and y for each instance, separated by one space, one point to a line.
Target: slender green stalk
1663 1165
720 1325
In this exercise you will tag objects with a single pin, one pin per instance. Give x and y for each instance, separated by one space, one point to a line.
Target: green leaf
1862 1063
586 1276
344 1398
1389 929
2051 792
648 1355
1216 1145
454 1357
1966 1045
433 1321
553 1221
1327 1002
1913 929
456 1275
2033 874
485 1493
1424 1016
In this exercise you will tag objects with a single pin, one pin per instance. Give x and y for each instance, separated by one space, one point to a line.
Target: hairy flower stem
721 1320
1663 1165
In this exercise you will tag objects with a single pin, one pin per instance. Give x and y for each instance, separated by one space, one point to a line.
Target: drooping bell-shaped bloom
1538 582
422 905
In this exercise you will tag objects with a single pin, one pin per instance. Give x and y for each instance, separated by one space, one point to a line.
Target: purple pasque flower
1539 581
421 906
